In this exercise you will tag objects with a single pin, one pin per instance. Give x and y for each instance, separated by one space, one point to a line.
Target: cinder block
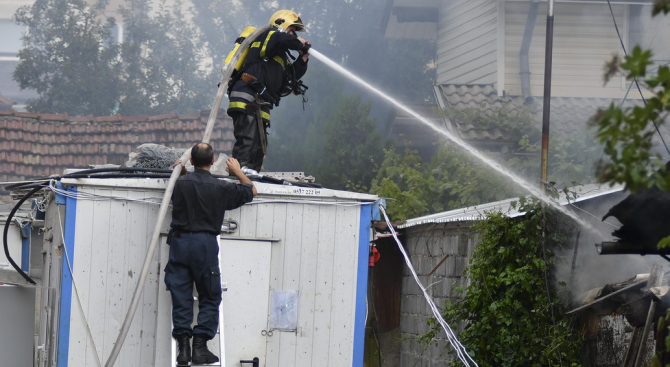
460 263
406 324
419 247
426 265
407 285
406 304
405 359
463 242
450 266
436 247
437 289
416 304
447 286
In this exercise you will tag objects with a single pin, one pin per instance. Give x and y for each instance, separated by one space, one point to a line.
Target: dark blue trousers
194 259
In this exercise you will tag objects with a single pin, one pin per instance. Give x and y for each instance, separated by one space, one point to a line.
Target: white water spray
467 147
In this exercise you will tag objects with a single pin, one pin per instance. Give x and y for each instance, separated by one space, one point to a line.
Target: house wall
315 251
467 42
584 39
427 245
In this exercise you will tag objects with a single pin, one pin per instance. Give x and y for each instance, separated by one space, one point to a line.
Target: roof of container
472 213
265 190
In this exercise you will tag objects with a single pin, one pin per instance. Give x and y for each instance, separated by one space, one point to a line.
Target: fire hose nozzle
305 48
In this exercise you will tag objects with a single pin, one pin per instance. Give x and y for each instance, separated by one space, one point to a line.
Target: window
10 42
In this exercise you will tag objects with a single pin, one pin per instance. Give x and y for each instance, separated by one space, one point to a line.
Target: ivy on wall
512 314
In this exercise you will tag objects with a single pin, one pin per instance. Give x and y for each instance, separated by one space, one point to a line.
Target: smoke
592 270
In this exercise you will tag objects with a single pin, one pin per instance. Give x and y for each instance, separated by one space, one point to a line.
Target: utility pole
548 52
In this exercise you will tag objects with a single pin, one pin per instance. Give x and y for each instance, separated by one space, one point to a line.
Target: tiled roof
39 144
568 114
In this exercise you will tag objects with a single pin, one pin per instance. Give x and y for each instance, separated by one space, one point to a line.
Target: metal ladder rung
173 354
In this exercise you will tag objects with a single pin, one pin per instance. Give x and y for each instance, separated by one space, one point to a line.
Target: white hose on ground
227 71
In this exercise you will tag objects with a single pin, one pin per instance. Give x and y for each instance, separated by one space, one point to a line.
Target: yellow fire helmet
286 18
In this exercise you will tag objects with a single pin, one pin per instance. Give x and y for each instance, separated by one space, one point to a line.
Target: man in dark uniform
199 201
267 75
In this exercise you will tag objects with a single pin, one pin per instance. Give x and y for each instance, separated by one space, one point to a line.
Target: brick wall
427 244
38 145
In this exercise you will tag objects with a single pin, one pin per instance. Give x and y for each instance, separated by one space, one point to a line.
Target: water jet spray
460 142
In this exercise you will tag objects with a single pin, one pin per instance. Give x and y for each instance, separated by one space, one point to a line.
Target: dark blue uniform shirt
199 201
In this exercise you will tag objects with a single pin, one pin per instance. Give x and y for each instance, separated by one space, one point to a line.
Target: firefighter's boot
184 356
202 355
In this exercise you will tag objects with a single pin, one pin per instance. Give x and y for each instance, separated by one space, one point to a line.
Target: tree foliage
164 61
68 58
627 133
352 146
71 60
509 318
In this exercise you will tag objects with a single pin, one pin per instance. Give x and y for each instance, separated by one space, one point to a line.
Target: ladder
219 333
255 362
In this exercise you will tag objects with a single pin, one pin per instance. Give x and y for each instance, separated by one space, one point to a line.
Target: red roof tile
27 115
135 118
54 117
88 118
36 145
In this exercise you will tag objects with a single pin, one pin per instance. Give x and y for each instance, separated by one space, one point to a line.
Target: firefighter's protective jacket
269 63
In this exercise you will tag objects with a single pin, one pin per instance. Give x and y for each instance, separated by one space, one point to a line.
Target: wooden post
655 280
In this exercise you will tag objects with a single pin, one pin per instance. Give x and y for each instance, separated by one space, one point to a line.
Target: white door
245 270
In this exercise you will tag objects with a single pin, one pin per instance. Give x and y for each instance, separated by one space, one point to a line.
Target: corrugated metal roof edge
474 213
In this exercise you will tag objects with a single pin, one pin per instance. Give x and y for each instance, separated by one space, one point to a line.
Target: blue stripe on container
362 284
25 250
66 282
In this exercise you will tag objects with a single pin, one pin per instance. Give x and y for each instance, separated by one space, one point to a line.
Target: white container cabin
309 242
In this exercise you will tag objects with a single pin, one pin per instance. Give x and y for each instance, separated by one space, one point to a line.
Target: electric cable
156 200
635 79
4 234
460 350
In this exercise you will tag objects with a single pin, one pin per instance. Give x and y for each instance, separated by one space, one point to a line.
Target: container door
245 270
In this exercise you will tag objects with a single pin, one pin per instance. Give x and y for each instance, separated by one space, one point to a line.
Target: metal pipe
227 71
547 90
626 248
523 53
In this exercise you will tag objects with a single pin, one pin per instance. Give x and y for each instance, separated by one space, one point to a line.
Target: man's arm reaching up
233 167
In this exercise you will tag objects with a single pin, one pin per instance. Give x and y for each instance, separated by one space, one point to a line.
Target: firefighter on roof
267 74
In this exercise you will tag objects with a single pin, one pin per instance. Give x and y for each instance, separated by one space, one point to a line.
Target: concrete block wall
426 245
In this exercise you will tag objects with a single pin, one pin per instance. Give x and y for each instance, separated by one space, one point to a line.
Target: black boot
184 356
202 355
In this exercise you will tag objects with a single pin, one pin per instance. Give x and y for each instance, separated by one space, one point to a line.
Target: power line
635 79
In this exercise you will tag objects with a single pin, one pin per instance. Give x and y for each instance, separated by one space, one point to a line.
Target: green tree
162 56
68 58
352 146
71 60
627 133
